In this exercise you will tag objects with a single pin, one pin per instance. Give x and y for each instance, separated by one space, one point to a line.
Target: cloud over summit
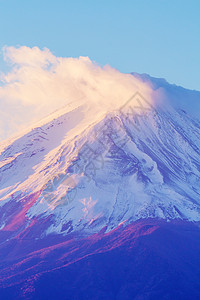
40 83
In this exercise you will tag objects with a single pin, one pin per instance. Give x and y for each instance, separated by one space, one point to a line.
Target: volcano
104 202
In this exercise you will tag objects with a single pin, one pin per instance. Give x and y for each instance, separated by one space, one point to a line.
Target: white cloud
40 83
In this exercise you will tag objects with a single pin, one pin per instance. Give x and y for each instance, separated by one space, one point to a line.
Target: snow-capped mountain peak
85 167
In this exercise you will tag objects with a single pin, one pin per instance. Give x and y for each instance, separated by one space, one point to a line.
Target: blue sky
158 37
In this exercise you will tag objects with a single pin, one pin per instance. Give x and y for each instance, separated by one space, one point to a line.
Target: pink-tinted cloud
40 83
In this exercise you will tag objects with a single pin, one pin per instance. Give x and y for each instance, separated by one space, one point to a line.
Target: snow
96 168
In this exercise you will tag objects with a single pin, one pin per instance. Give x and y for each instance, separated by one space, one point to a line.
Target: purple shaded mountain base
148 259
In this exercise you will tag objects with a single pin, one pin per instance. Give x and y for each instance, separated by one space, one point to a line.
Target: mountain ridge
137 148
100 203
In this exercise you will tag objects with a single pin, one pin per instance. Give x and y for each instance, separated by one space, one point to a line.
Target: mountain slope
145 260
75 184
136 162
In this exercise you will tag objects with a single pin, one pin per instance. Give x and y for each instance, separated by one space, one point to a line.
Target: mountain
101 203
